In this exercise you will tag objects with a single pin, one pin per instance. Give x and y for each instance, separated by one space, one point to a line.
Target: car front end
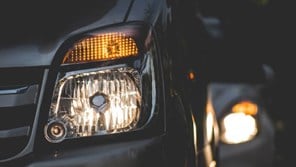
247 131
93 87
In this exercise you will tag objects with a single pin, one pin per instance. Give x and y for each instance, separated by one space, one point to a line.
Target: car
107 83
244 109
247 130
101 83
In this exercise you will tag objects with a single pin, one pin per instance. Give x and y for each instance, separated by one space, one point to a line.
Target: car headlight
240 124
115 93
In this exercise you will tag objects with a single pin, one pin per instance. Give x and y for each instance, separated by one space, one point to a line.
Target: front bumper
259 152
148 152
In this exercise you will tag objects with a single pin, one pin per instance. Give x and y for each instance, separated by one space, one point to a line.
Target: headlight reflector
93 103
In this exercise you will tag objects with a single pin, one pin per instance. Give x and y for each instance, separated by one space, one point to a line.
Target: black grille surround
19 96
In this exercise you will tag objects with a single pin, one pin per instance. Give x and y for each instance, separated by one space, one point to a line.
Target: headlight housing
114 92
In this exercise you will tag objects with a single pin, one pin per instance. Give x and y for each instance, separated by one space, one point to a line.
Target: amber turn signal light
247 107
102 47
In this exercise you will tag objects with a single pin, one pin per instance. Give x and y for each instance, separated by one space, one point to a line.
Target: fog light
55 131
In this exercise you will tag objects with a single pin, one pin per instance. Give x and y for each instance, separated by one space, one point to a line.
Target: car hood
32 31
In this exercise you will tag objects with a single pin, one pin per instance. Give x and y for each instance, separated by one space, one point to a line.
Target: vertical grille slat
19 90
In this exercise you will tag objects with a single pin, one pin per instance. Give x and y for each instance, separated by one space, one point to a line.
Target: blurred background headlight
240 124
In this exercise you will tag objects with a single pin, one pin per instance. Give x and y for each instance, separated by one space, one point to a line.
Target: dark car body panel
147 11
145 152
33 33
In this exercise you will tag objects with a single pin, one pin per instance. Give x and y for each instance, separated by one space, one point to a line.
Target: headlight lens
240 124
94 103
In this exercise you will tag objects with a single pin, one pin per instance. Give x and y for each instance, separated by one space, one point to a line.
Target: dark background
263 32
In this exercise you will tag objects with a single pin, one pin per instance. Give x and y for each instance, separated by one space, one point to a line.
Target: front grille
19 89
13 118
12 146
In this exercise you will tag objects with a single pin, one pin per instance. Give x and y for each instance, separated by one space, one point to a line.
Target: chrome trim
70 73
14 91
17 132
30 145
19 96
